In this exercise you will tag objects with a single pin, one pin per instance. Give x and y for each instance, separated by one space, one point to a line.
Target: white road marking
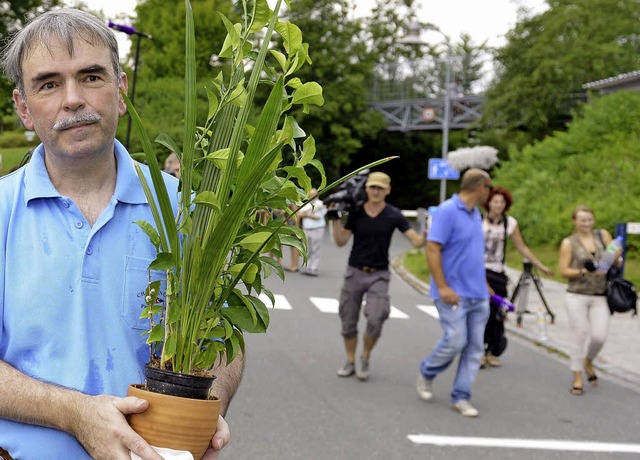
330 305
325 304
512 443
430 310
281 302
398 314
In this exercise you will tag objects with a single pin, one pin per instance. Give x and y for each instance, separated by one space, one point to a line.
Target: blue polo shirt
71 294
459 231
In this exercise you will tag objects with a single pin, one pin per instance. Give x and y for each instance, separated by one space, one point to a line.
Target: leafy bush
593 163
13 139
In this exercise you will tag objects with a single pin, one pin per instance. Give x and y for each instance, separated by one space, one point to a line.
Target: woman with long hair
497 227
586 301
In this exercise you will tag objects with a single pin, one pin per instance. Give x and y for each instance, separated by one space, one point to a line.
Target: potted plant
212 242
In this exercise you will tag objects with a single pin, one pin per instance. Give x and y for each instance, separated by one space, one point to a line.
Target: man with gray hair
72 264
455 255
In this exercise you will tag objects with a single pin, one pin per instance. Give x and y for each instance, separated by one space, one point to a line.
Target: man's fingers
131 405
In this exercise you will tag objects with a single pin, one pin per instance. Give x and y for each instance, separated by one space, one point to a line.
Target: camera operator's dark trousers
494 339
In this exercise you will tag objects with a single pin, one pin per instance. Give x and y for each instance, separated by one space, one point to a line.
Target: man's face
485 190
73 103
376 194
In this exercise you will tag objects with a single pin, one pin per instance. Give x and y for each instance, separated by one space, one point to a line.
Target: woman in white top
497 226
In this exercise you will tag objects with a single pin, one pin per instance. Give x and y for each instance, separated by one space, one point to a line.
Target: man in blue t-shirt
73 265
455 255
372 227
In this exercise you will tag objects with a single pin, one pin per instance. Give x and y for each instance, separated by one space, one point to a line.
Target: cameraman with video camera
372 225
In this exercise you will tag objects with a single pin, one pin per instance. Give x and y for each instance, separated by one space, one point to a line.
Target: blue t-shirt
459 231
71 294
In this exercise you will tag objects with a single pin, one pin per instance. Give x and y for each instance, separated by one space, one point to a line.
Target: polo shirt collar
460 204
128 188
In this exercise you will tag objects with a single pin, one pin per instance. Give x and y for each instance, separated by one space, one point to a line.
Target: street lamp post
130 30
413 38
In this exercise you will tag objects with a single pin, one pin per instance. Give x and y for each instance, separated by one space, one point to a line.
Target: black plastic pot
177 384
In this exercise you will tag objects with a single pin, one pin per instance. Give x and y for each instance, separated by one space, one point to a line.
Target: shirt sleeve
440 229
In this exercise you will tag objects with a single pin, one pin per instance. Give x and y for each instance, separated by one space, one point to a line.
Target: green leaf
151 232
281 58
261 15
213 103
232 39
294 83
261 310
168 142
207 198
308 151
300 174
291 36
238 96
308 93
170 346
219 158
316 164
254 241
156 334
249 274
242 319
164 261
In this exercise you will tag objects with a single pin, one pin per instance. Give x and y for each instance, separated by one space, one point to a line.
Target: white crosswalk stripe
325 304
430 310
330 305
281 302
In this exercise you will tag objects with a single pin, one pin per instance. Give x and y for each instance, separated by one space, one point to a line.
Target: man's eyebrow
43 76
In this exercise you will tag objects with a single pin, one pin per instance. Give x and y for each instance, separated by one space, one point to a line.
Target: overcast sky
483 20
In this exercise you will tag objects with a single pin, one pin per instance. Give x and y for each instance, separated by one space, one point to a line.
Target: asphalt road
292 406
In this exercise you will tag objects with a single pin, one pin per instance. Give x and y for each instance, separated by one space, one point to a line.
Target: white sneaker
423 386
465 408
363 369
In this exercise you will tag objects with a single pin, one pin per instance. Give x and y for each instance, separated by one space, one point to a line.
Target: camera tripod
522 290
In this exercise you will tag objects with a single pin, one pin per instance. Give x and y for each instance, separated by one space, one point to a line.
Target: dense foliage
549 56
594 163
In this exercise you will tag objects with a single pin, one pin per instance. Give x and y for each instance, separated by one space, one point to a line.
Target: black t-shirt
372 236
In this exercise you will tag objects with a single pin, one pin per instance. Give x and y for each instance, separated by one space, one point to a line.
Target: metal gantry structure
429 114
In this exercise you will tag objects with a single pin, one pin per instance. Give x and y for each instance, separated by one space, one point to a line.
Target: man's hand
448 295
102 429
220 439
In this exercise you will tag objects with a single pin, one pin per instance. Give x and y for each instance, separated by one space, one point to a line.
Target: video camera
350 196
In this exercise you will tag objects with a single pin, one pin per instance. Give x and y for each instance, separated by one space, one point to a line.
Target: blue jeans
464 335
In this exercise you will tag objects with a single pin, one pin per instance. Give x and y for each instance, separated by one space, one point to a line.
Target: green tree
549 56
593 163
160 74
345 49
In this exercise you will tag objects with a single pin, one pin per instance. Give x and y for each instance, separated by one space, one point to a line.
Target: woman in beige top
586 302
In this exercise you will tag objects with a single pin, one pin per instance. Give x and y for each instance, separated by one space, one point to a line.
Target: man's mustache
76 120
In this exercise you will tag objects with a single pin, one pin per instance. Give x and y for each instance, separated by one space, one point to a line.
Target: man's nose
73 96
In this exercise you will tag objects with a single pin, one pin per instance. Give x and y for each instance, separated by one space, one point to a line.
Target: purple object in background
504 304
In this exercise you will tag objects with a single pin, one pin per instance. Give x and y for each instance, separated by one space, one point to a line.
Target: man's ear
124 86
23 111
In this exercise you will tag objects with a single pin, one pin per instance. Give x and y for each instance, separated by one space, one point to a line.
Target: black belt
367 269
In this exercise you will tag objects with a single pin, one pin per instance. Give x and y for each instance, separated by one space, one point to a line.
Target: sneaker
347 370
363 369
465 408
493 361
424 388
483 362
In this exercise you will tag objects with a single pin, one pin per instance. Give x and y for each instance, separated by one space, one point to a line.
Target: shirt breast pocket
136 278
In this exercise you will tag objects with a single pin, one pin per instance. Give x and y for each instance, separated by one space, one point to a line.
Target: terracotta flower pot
176 423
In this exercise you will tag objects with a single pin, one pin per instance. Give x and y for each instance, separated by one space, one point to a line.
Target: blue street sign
439 169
